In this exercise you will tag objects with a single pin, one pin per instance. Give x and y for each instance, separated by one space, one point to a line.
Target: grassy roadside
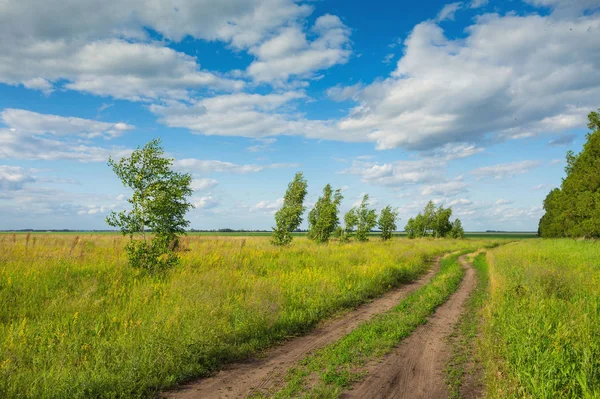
541 323
328 371
461 365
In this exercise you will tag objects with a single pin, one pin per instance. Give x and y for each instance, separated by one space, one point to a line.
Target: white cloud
264 145
511 76
103 47
388 58
478 3
205 202
268 206
203 184
36 123
343 93
448 189
14 177
398 173
291 54
448 11
555 161
209 166
30 135
505 170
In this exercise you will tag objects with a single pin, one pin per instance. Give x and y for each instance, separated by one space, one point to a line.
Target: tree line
324 222
161 196
573 210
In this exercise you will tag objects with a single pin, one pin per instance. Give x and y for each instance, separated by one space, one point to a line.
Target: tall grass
541 332
76 321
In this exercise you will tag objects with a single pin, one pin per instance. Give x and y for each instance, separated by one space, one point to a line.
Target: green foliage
434 221
158 205
350 222
365 218
541 328
573 210
289 217
457 230
387 222
323 218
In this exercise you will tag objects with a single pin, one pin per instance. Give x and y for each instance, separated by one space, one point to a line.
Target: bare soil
263 374
416 368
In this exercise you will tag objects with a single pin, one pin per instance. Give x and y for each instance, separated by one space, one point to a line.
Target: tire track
262 374
416 368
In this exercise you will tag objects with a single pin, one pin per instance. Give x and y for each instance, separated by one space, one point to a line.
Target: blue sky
472 104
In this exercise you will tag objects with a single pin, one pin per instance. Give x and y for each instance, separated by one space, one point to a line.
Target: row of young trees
161 196
324 222
573 210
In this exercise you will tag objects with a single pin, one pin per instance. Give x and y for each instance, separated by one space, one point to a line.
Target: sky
470 104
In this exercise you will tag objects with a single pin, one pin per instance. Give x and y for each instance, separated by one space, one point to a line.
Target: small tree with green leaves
158 206
457 230
387 222
350 223
367 219
289 217
323 218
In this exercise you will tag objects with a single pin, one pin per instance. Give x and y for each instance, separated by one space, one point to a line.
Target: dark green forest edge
573 210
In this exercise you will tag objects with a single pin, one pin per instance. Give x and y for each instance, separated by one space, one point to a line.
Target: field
541 323
78 322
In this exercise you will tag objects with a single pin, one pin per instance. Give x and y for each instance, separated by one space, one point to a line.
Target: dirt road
260 375
415 369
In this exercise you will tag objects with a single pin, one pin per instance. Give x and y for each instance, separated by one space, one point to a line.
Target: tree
366 219
457 230
323 218
441 225
289 217
350 222
387 222
434 221
158 205
573 210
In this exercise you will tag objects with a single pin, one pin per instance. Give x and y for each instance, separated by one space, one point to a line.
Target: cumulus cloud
205 202
268 206
505 170
510 77
398 173
103 47
31 135
291 54
36 123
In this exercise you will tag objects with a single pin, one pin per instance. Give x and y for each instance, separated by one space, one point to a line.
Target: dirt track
415 369
262 374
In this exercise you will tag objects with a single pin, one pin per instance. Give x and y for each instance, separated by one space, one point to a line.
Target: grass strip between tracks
463 362
330 370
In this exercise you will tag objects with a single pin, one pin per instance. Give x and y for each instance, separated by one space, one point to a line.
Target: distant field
76 321
485 235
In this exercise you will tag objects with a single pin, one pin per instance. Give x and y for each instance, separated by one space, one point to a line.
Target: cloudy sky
472 104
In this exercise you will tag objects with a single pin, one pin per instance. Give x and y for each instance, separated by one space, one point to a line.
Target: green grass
541 330
463 360
329 370
77 322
